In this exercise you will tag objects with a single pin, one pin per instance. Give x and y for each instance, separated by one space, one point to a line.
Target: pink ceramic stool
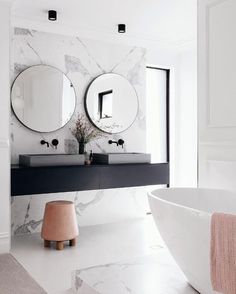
59 224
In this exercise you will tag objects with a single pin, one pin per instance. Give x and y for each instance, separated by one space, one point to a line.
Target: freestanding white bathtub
183 217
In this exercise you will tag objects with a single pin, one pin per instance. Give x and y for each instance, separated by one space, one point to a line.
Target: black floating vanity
53 179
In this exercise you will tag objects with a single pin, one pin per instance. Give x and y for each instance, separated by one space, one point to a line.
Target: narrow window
158 114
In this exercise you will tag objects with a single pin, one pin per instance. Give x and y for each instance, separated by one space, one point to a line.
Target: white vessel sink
119 158
34 160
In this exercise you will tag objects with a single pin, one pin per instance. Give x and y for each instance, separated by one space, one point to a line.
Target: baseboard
5 241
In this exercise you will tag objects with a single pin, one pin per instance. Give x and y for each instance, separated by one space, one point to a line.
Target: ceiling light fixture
121 28
52 15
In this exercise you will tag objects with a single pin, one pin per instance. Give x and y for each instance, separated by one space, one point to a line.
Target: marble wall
81 60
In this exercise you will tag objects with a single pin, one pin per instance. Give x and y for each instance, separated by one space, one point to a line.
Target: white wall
4 127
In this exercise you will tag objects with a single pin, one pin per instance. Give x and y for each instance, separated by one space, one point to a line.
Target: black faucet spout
119 142
112 142
43 142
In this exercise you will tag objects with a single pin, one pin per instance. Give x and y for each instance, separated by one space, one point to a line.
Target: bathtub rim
198 211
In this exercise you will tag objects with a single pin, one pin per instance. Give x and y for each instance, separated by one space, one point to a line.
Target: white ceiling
157 20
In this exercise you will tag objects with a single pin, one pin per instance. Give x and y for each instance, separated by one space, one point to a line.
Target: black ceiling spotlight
52 15
121 28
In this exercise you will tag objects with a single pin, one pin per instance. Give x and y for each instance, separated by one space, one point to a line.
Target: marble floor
119 258
152 274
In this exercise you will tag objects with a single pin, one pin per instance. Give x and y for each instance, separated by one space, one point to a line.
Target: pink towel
223 253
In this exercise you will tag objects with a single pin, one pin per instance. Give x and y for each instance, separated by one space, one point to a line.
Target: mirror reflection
105 104
111 103
43 98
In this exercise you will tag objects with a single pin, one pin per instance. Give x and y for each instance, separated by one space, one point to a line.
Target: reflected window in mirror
105 104
111 103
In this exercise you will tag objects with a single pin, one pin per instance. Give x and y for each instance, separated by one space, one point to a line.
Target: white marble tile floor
132 252
152 274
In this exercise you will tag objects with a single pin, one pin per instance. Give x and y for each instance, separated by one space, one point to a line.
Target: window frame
167 108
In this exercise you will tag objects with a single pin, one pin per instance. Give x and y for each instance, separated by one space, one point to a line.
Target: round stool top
60 202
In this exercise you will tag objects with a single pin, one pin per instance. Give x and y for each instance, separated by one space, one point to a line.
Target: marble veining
92 207
22 31
89 55
82 60
28 225
133 74
124 59
81 207
18 68
74 64
35 52
150 274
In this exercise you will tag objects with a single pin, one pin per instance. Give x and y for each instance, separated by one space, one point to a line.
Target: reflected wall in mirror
43 98
111 103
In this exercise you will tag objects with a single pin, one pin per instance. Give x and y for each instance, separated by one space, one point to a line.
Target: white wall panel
221 31
217 93
4 127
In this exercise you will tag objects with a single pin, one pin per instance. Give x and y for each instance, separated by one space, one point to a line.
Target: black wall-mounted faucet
120 142
54 143
43 142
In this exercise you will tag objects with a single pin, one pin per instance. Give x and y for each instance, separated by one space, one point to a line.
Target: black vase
81 147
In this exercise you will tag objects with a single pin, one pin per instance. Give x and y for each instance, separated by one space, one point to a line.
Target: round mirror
43 98
111 103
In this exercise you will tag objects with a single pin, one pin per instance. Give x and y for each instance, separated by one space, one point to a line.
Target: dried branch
84 132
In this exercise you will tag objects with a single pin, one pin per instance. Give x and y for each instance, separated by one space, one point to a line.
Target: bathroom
146 81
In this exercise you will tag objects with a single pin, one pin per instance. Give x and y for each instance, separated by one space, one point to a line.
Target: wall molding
4 235
212 161
217 144
210 6
215 3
